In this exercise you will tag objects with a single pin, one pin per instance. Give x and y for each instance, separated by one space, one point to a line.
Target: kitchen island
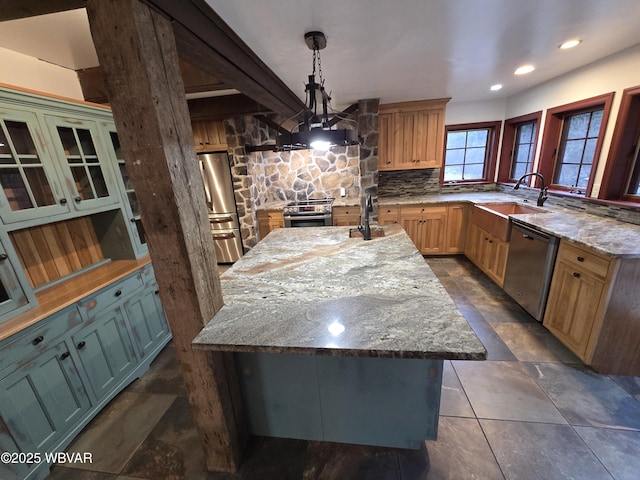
339 339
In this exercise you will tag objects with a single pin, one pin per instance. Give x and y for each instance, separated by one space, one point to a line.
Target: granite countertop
606 236
317 291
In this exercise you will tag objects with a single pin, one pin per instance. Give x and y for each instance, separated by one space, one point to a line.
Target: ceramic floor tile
267 458
460 452
505 391
496 348
64 473
630 384
172 449
453 400
163 376
586 398
536 451
336 461
619 451
504 311
115 434
531 342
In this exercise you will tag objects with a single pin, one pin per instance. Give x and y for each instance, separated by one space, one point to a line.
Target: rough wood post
139 60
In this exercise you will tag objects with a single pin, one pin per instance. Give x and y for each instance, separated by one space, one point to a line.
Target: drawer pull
576 274
118 293
63 201
38 340
81 345
77 199
64 355
581 259
3 257
156 292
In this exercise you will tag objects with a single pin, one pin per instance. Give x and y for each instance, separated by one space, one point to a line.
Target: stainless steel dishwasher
532 255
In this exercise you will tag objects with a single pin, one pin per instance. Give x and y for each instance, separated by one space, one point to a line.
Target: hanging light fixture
315 130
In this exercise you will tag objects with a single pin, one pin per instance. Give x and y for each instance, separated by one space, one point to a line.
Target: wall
28 72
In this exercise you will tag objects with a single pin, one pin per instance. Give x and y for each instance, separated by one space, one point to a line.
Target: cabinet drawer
38 337
107 296
427 209
390 211
584 260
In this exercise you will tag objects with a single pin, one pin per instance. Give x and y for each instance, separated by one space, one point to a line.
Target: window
518 146
470 152
571 144
577 149
621 179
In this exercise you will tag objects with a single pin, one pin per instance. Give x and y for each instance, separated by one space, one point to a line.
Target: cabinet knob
3 257
132 220
62 201
81 345
77 199
64 355
156 291
490 241
118 293
38 340
576 274
581 259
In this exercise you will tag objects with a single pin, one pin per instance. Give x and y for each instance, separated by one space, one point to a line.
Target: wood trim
221 108
412 106
508 138
54 96
32 8
553 130
622 148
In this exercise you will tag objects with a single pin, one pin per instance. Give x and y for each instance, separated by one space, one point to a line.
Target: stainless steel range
315 212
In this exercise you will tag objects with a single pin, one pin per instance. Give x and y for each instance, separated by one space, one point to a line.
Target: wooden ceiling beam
205 40
220 108
31 8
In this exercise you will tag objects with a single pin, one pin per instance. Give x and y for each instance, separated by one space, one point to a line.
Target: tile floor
532 411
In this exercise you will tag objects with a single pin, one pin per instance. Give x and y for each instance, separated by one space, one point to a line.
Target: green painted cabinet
105 351
146 317
13 297
43 398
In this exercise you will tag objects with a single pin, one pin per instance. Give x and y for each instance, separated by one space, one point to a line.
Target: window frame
491 153
508 140
624 144
551 138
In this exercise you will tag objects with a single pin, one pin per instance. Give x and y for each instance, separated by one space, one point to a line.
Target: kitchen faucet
543 189
366 229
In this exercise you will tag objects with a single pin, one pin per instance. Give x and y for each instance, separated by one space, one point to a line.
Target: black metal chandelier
315 131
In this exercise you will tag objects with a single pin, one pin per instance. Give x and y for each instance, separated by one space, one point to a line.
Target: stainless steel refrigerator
223 215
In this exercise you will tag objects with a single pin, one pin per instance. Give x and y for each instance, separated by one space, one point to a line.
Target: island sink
494 217
376 232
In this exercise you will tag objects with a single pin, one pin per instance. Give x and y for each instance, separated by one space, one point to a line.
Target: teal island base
389 402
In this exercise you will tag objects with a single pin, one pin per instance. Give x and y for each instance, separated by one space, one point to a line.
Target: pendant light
315 131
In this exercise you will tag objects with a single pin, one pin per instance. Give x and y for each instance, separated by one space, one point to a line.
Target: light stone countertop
317 291
606 236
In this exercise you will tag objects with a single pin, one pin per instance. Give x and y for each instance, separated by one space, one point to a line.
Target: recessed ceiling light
496 87
570 44
524 69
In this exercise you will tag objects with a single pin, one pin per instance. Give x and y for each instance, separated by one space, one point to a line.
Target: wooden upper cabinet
209 136
411 135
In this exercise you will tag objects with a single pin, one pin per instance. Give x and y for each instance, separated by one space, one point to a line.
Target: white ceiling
393 50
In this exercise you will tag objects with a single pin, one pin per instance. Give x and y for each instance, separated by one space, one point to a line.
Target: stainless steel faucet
366 229
543 188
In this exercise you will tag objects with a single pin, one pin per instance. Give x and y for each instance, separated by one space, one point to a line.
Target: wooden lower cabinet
434 229
346 216
269 220
487 252
67 367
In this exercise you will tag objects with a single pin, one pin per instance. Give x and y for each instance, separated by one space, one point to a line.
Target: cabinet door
146 318
30 186
408 139
495 261
456 229
43 399
387 215
430 138
434 227
412 224
386 141
106 351
126 185
346 216
12 295
473 241
209 135
83 162
571 311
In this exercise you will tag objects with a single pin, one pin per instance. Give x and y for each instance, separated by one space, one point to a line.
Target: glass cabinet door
29 184
132 200
12 296
84 162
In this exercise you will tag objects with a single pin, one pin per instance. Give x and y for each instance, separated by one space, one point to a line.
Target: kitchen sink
494 217
376 232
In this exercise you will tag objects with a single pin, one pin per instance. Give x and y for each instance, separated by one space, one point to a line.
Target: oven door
323 220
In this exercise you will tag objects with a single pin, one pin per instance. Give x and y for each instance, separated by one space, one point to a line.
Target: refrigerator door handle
220 220
206 185
223 236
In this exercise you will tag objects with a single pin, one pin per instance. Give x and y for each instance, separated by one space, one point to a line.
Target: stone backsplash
422 182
